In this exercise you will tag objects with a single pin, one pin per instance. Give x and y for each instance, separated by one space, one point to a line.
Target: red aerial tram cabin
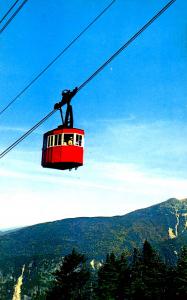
63 147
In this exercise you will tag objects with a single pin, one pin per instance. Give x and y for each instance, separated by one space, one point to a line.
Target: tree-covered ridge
143 275
41 247
97 235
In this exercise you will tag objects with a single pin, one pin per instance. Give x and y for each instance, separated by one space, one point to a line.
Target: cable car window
78 140
59 140
51 140
56 140
68 139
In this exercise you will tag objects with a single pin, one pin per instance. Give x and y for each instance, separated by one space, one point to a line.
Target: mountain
164 225
95 236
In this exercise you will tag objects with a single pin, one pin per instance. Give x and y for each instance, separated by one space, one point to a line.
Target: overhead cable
6 14
126 44
27 133
13 16
92 76
56 58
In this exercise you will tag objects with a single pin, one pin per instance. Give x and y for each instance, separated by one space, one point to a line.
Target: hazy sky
133 113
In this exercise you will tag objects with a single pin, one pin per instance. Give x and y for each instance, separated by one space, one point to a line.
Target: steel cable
56 58
92 76
27 133
9 10
126 44
13 16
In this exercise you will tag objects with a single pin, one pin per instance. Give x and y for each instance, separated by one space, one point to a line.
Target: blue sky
133 113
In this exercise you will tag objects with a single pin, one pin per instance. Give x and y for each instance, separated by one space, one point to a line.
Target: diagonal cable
9 10
13 16
27 133
92 76
56 58
127 44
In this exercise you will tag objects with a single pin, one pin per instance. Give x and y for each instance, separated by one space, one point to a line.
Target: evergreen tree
154 272
136 276
181 275
170 289
107 279
148 275
70 279
123 278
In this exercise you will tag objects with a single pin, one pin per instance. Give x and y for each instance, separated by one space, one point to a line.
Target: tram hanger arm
67 95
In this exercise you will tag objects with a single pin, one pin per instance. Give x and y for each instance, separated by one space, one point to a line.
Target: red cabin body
63 148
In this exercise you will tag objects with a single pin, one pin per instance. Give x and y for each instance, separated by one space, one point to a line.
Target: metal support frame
67 95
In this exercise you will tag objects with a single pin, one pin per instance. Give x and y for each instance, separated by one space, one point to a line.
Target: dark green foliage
42 246
148 274
107 278
70 279
181 275
153 273
137 283
143 276
114 278
170 290
123 282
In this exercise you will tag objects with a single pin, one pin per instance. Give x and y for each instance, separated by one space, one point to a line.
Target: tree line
143 276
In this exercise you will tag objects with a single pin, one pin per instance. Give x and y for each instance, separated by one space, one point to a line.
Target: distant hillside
164 222
164 225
